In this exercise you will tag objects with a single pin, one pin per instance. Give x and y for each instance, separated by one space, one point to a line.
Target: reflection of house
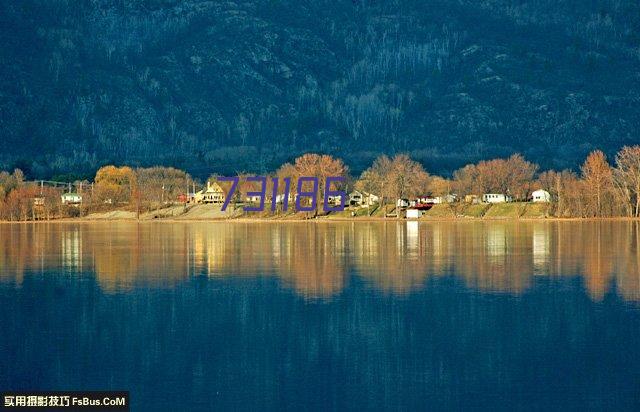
541 248
212 194
71 248
496 198
413 237
71 198
496 241
541 196
358 198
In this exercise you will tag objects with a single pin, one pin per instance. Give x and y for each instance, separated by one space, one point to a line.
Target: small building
370 199
291 198
250 187
359 198
426 200
212 194
473 199
445 199
402 203
71 198
541 196
414 213
496 198
356 198
334 200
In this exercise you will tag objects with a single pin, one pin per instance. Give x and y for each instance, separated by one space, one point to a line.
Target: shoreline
325 220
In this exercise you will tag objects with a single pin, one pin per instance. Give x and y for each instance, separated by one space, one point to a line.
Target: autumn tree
565 188
376 180
287 171
394 178
465 181
439 186
115 184
320 166
158 184
521 175
598 177
30 202
10 181
513 176
407 177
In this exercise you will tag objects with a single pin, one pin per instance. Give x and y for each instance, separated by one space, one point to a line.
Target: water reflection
327 316
315 259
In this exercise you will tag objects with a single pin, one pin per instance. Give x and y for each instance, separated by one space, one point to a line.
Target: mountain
244 86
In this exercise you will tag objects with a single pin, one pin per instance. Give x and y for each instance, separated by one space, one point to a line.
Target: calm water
326 316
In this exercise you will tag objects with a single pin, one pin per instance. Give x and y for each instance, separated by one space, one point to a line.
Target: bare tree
598 176
627 177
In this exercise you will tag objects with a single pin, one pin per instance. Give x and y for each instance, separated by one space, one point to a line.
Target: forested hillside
244 86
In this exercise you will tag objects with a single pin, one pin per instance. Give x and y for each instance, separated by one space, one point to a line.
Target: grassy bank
459 211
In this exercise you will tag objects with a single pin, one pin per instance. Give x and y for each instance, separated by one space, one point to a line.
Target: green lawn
443 211
475 210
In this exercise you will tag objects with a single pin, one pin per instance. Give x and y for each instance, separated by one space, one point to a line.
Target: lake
317 316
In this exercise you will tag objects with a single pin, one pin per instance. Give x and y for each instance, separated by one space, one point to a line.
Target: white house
425 200
445 199
334 200
252 187
402 203
358 198
370 199
290 199
212 194
71 198
541 196
496 198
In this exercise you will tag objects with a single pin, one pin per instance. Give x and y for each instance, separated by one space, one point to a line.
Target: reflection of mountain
314 258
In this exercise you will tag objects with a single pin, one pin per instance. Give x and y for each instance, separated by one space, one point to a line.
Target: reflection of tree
315 261
313 258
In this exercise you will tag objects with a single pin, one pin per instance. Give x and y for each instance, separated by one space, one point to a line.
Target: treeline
600 189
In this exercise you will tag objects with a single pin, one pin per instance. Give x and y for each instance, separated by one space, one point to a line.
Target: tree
161 183
439 186
465 179
566 191
375 179
320 166
407 177
394 178
287 170
598 177
115 184
627 177
9 182
513 176
520 174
